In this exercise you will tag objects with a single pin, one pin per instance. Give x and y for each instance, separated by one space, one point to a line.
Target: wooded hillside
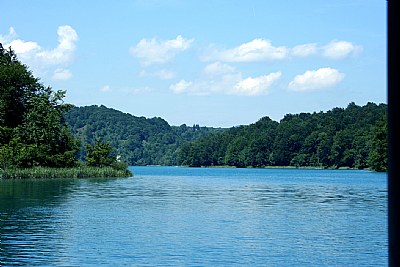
136 140
353 137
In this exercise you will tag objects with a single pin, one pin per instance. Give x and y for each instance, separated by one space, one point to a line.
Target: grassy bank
76 172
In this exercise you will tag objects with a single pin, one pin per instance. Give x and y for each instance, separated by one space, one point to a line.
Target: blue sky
214 63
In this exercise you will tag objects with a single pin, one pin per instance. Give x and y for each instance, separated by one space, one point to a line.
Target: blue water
169 216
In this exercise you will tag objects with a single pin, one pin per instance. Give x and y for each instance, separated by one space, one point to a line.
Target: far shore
278 167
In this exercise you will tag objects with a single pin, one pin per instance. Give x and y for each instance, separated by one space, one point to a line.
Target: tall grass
75 172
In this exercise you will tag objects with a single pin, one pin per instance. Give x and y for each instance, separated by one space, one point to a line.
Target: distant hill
353 137
136 140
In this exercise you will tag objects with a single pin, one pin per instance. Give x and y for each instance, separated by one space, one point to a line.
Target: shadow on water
30 213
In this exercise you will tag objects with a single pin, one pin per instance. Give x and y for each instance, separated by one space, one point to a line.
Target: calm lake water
169 216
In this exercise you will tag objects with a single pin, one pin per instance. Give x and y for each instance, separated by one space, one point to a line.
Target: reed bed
75 172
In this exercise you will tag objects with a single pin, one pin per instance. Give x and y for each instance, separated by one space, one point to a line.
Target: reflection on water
209 217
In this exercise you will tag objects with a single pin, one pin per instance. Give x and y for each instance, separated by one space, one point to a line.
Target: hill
136 140
353 137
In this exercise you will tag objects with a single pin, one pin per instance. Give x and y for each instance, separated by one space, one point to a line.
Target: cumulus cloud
63 53
41 60
340 49
22 48
262 50
154 51
221 78
312 80
255 50
256 86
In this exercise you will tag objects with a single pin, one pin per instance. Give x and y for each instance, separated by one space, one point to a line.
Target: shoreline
56 173
265 167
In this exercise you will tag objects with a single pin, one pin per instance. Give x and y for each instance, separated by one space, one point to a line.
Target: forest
351 137
136 140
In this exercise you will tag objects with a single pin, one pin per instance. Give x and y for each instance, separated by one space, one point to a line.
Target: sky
219 63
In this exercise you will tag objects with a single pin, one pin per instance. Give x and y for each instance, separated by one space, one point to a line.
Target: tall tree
33 131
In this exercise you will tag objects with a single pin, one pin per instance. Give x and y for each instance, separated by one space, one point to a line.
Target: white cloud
62 74
19 46
304 50
40 60
63 53
23 48
180 87
154 51
256 86
220 78
255 50
340 49
262 50
313 80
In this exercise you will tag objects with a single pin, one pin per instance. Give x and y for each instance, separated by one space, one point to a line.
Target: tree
32 127
99 154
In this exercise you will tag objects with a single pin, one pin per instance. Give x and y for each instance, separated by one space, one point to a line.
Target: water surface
169 216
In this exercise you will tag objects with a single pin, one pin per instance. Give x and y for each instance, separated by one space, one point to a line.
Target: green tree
32 127
99 154
377 159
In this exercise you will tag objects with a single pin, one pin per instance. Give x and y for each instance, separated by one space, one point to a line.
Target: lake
170 216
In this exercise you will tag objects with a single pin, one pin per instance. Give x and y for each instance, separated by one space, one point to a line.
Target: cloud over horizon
256 50
313 80
340 49
221 78
41 60
155 51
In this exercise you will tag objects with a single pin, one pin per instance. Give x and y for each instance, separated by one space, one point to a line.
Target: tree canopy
136 140
353 137
33 131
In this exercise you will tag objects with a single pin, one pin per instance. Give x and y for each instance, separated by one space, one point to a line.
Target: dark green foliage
136 140
99 154
354 137
377 158
32 128
350 137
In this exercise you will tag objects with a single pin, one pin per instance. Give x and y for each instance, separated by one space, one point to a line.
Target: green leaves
33 131
99 154
354 137
377 158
